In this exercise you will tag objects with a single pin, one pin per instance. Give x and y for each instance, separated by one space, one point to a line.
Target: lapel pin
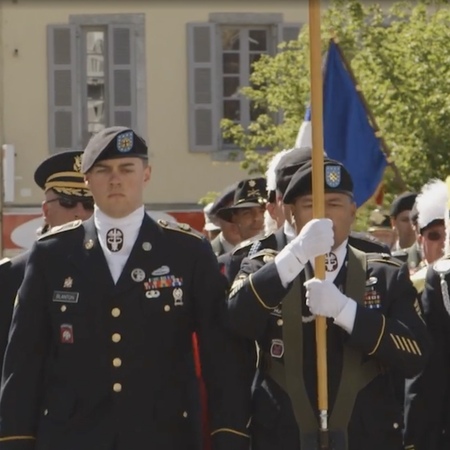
89 244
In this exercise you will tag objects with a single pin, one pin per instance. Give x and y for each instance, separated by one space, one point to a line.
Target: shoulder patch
180 227
249 242
60 228
267 255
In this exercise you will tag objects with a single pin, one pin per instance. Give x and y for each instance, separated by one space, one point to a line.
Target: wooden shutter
122 76
203 113
63 108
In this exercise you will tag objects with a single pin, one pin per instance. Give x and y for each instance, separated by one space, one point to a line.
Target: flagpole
397 175
318 206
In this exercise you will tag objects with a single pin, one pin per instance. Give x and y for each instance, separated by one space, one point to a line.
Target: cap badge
333 176
252 183
77 163
124 142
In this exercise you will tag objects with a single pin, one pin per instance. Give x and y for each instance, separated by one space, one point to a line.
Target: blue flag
348 134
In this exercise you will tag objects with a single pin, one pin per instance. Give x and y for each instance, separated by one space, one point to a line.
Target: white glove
324 299
316 238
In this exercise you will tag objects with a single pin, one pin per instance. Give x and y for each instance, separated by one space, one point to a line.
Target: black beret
403 202
111 143
296 159
249 193
336 179
224 199
62 173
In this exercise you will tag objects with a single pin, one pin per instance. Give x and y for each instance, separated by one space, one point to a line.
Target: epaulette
5 262
60 228
180 227
253 244
266 254
384 258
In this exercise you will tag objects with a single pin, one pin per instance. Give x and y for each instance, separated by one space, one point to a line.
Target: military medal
178 296
372 299
331 262
138 275
114 240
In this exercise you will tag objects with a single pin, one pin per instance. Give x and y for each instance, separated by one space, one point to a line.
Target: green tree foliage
401 59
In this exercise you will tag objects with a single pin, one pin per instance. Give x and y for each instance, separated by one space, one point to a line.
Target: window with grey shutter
203 114
62 88
288 31
122 75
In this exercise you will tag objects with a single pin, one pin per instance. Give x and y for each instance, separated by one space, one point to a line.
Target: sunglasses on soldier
433 235
69 203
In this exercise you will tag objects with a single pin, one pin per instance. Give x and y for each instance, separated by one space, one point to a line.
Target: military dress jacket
93 365
11 277
428 410
388 330
231 262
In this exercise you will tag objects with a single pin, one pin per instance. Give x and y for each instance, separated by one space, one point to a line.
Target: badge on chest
66 333
372 298
162 282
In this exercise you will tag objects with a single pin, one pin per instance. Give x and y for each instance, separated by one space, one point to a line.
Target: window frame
80 23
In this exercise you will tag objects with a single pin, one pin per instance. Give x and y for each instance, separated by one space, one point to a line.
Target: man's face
432 241
59 210
250 221
340 208
276 210
117 185
402 224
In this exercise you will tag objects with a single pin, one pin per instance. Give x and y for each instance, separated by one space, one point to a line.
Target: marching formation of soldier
119 332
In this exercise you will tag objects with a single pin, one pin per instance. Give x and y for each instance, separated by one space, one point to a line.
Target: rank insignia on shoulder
60 228
181 227
267 255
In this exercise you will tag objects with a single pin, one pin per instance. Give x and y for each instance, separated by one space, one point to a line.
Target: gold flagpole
318 205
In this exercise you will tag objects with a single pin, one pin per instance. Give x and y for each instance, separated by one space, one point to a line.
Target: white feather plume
432 202
283 158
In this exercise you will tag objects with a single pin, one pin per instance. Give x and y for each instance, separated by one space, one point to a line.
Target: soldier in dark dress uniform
286 166
66 198
100 352
229 236
373 326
